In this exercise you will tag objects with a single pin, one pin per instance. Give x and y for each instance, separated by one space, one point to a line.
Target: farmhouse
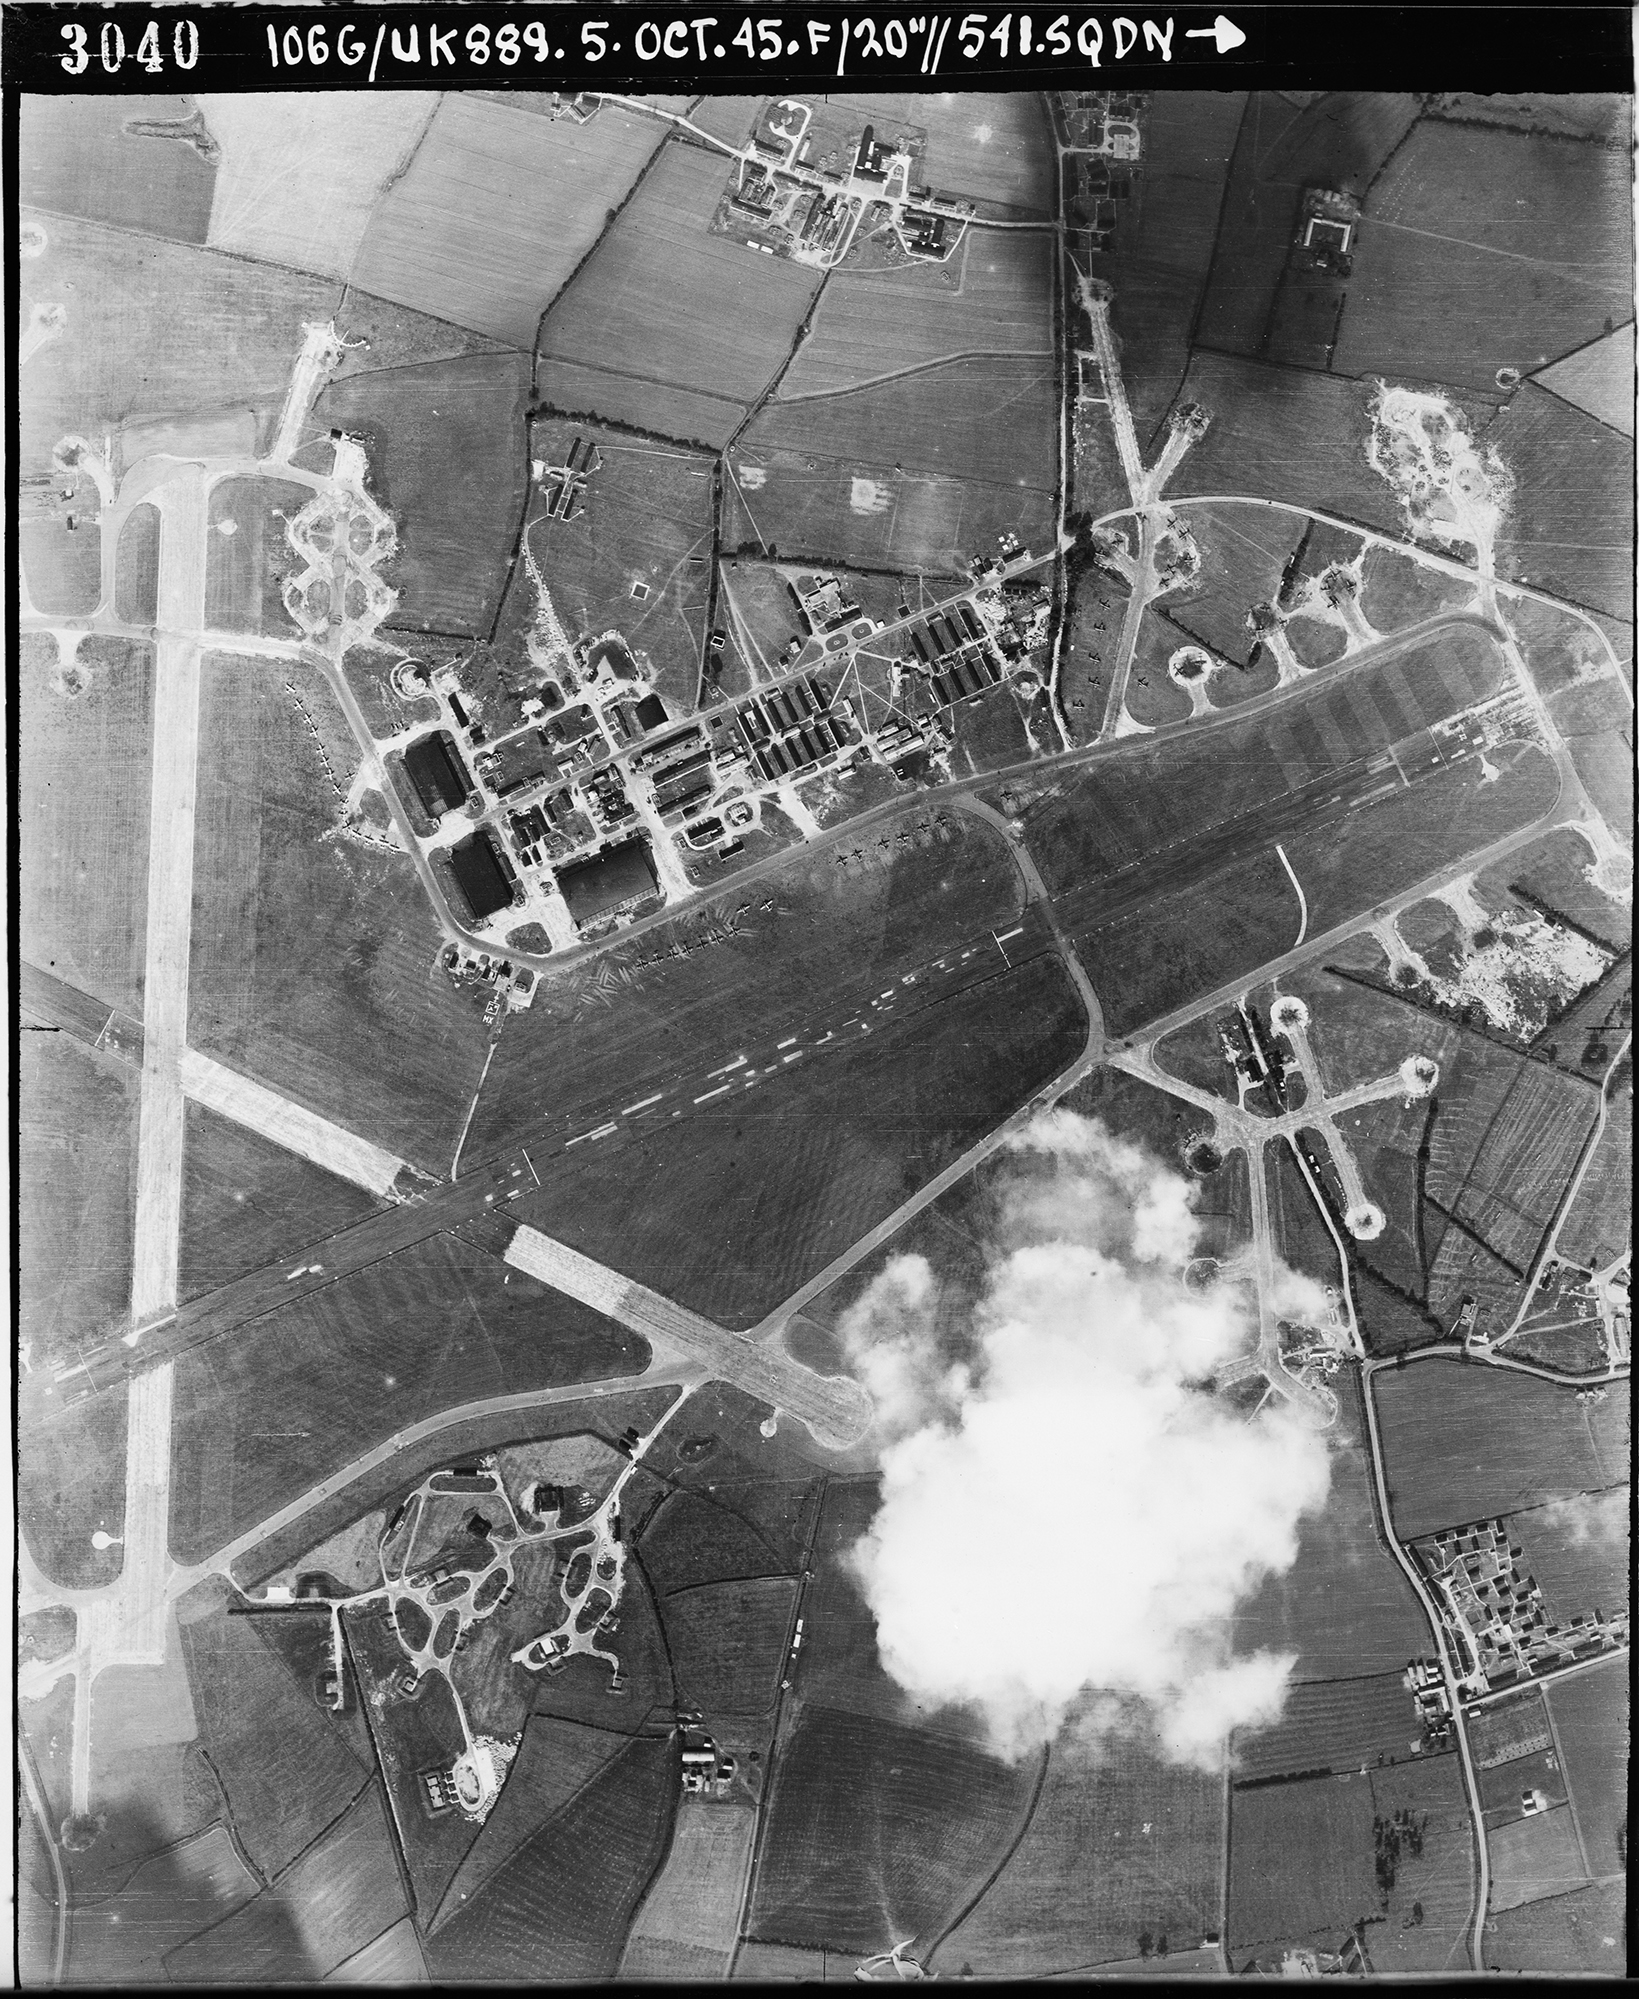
438 774
609 882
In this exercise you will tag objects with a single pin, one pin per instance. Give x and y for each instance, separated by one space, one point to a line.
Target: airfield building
609 882
438 774
482 874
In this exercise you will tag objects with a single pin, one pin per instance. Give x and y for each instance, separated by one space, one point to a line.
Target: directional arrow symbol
1223 31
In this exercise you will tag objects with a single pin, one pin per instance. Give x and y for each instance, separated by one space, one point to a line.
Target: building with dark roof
438 774
609 881
482 875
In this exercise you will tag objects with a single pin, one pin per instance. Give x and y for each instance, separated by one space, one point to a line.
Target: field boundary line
1026 1820
919 368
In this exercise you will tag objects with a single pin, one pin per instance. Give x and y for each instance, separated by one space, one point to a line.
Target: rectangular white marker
706 1099
632 1109
728 1068
790 1041
1016 931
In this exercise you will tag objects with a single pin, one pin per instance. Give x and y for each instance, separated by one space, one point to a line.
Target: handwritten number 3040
111 47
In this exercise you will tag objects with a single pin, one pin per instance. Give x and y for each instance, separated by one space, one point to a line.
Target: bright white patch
227 527
751 477
983 133
1064 1507
865 496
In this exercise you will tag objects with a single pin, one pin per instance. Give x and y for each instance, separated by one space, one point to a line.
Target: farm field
1578 1931
561 1906
659 265
257 1724
1286 434
246 1202
1599 1219
1434 230
993 297
1534 1857
166 1900
1119 1843
82 158
693 1907
234 347
915 475
70 1483
1422 1820
1596 379
1329 1821
1590 1717
1370 1625
82 814
876 1830
1396 590
1339 140
496 210
767 1191
136 568
1466 1443
1571 525
1332 1725
728 1642
581 1691
1578 1553
310 956
437 1325
556 1760
1503 1153
1505 1786
447 461
150 1781
298 175
645 520
338 1897
394 1958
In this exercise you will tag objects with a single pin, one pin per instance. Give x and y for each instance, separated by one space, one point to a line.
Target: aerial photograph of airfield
824 1022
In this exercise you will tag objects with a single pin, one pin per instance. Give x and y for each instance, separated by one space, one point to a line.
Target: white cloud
1589 1516
1064 1507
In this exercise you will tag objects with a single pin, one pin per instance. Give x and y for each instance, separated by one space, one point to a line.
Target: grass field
875 1830
1438 229
1509 1729
246 1202
1590 1713
917 474
79 157
496 210
581 1691
122 1940
1244 553
136 567
247 555
1097 608
311 956
270 1410
1601 1216
764 1194
1534 1857
691 1541
659 266
694 1905
232 346
1427 1907
1333 1725
1344 1607
1594 378
259 1727
70 1482
1397 590
410 1736
393 1958
993 297
1505 1785
341 1894
82 817
1580 1931
1162 248
556 1760
447 461
1464 1443
62 566
1328 1820
1571 525
560 1907
1552 872
1119 1842
76 1135
1340 140
728 1642
646 517
1283 434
